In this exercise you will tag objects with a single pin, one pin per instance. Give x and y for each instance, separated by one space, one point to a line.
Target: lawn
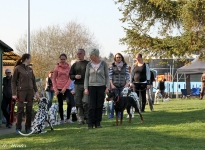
174 125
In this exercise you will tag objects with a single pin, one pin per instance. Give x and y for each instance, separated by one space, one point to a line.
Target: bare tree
48 43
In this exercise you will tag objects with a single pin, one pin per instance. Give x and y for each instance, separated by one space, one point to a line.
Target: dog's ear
129 91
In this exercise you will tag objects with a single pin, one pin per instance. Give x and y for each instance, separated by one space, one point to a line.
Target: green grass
174 125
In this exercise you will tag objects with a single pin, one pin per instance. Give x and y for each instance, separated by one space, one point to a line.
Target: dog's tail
26 134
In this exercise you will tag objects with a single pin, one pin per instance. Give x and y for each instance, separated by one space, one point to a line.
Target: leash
141 90
118 99
25 102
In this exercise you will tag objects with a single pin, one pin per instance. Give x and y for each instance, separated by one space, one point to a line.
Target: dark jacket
152 78
161 85
23 79
78 68
7 92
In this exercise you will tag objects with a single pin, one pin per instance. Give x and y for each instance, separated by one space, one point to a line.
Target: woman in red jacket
61 82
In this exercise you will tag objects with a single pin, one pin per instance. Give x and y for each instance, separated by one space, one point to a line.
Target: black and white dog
128 92
53 110
40 118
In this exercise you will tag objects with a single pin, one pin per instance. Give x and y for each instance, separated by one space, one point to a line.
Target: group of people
83 85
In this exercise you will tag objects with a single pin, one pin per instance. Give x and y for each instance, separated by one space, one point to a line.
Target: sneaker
62 122
152 109
28 131
17 131
110 116
68 121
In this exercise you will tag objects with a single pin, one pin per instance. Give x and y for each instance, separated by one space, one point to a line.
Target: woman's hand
72 92
106 90
57 92
131 85
86 91
14 97
112 86
37 95
127 85
148 86
63 91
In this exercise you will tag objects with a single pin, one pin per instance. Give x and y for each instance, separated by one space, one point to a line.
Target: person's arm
107 79
148 74
110 77
14 82
86 79
68 81
34 83
127 75
72 72
55 74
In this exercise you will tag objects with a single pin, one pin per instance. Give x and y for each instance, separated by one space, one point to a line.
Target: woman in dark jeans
140 79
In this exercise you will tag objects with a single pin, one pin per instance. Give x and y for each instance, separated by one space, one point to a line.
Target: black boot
74 117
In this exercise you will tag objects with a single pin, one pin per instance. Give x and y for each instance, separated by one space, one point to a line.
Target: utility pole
28 34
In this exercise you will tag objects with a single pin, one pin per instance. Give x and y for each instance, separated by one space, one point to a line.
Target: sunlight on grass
176 125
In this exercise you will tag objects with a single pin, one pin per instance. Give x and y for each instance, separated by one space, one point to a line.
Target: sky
101 17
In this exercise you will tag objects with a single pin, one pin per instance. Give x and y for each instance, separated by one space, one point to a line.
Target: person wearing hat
96 84
7 96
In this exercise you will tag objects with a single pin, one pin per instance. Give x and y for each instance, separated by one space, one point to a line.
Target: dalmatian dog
158 96
38 125
128 92
53 110
106 105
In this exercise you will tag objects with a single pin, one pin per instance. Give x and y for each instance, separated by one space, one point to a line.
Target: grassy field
174 125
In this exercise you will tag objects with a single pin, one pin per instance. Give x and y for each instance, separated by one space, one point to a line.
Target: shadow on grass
172 127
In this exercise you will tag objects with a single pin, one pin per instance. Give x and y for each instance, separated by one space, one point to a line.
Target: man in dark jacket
77 73
161 86
7 95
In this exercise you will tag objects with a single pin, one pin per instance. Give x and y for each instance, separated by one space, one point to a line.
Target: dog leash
25 102
142 90
118 99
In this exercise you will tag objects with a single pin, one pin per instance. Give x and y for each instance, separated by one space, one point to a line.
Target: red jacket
61 79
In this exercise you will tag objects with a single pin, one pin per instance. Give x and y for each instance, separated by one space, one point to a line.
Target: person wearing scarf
119 78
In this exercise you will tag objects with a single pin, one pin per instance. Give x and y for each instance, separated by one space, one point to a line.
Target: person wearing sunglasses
119 78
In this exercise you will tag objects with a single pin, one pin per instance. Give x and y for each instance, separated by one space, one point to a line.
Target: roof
5 47
196 67
10 58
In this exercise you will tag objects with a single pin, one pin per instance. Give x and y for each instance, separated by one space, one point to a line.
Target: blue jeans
49 95
118 92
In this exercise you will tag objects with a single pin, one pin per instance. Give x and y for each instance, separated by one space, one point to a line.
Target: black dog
122 103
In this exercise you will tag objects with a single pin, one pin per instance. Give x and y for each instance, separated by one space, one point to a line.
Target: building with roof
8 60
